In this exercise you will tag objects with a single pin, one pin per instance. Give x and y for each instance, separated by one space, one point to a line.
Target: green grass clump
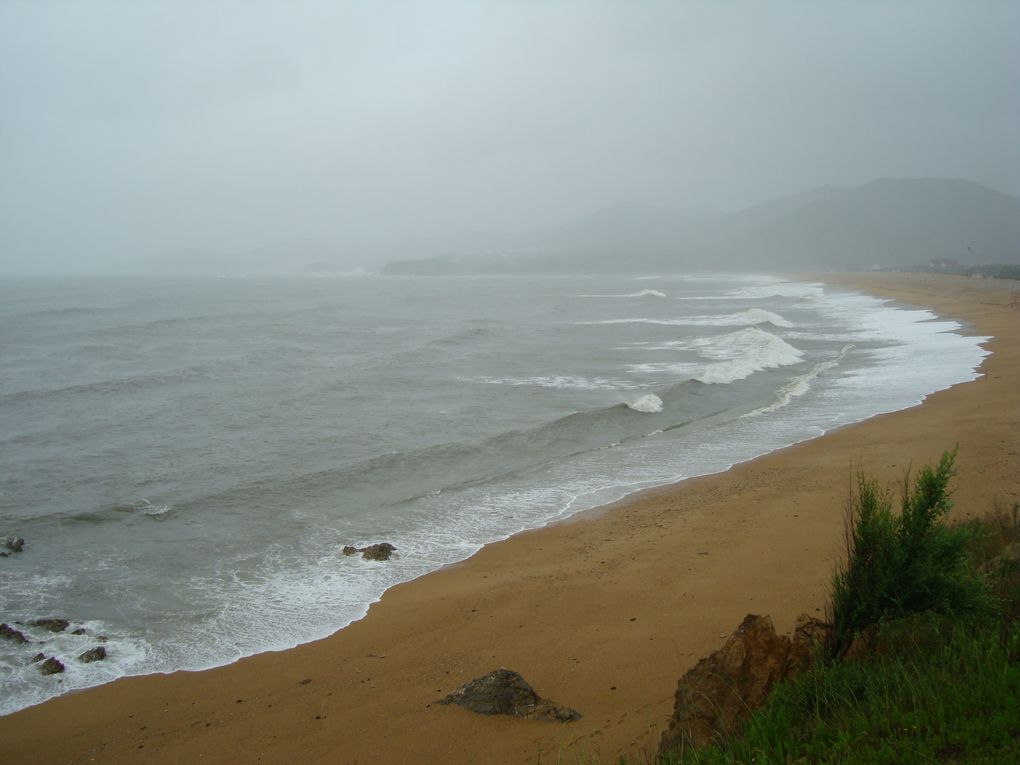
956 702
907 563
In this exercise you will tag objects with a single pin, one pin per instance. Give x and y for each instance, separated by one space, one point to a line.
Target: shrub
903 564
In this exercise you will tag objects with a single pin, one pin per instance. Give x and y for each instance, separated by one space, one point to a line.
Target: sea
186 457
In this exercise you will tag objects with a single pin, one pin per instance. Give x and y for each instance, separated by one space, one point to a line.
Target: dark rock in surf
7 631
52 666
14 544
381 551
504 692
93 654
38 657
53 625
79 631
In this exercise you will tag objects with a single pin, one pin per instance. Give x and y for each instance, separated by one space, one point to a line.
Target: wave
556 381
113 385
649 403
750 317
642 293
736 356
799 385
745 352
803 290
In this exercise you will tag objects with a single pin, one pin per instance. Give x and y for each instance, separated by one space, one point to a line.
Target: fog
130 129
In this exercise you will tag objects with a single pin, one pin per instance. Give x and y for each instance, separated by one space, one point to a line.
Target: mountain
887 222
884 222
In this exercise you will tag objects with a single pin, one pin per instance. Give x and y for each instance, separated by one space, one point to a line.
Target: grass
939 680
956 701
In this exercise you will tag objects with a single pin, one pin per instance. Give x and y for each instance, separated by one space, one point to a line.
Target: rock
381 551
93 654
716 696
504 692
53 625
38 657
79 631
810 638
6 631
51 666
3 554
14 544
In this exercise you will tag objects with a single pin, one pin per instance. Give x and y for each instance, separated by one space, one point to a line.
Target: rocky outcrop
52 666
8 632
52 624
93 654
381 551
14 544
504 692
716 696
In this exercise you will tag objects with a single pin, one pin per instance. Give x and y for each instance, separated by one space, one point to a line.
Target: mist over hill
885 223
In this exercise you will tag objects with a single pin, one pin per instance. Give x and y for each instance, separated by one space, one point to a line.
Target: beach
601 613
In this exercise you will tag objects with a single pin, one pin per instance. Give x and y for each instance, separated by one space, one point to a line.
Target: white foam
642 293
649 403
745 352
750 317
803 290
799 385
574 382
735 356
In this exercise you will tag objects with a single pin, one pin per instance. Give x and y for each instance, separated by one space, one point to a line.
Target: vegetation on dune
924 664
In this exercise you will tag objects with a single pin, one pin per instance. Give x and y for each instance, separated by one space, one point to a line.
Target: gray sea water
186 457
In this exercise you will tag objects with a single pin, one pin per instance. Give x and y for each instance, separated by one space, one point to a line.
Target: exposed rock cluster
504 692
93 654
8 632
51 666
717 695
51 624
381 551
12 545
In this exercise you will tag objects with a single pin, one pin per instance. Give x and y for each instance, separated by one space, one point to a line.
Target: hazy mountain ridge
886 222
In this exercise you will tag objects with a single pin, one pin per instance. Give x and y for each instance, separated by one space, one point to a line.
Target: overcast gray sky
133 128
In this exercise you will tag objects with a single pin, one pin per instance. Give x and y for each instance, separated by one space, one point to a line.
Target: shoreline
601 611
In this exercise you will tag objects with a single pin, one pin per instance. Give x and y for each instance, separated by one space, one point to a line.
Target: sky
129 129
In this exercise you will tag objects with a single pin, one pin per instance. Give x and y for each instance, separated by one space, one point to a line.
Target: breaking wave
749 318
642 293
649 403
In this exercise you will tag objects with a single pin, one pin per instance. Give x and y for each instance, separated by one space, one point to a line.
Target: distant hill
888 222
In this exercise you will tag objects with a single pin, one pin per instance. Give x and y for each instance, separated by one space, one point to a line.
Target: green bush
907 563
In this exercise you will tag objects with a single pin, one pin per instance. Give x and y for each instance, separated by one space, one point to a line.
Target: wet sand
602 613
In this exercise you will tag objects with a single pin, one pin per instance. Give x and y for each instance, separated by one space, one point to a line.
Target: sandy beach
602 613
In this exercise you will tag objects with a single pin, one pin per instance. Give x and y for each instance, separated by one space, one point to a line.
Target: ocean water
186 457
